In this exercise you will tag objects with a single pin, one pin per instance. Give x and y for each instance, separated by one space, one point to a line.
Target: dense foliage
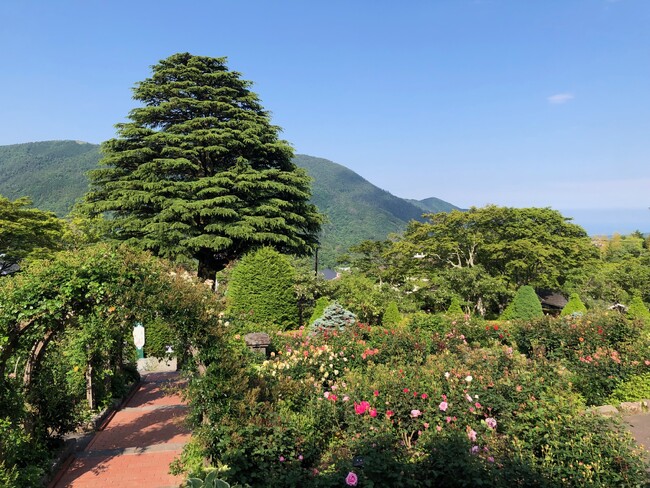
574 306
391 316
454 307
319 307
638 310
356 209
481 256
468 403
262 285
26 232
66 346
524 306
51 173
619 271
335 318
633 389
199 171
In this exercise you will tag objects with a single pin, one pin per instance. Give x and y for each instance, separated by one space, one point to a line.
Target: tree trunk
209 266
90 397
35 357
33 363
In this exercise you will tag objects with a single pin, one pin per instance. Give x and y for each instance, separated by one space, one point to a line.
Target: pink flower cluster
330 396
369 352
363 407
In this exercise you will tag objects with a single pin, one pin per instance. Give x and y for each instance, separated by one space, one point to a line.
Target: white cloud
560 98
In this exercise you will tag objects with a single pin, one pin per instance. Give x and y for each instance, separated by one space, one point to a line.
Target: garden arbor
199 172
99 293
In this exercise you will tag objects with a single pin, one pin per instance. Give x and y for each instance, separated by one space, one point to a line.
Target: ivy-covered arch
95 295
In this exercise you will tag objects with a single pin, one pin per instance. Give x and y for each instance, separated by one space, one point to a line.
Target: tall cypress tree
200 172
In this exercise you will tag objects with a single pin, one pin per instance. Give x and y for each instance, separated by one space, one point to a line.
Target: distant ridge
53 174
434 205
357 209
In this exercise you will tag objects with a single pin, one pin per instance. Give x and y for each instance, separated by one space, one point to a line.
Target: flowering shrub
454 405
601 350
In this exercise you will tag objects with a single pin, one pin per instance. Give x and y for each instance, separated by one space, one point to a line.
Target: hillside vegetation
356 209
53 175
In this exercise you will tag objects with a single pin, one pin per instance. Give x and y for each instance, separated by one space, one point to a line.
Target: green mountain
53 173
356 209
433 205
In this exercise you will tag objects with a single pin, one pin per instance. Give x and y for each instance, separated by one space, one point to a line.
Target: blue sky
511 102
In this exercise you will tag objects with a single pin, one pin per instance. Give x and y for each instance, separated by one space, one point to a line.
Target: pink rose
361 408
443 406
424 396
415 413
372 412
491 423
351 479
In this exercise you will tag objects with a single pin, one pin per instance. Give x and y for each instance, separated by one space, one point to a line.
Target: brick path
138 443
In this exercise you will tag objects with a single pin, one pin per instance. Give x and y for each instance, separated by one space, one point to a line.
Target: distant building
329 274
619 307
552 302
7 269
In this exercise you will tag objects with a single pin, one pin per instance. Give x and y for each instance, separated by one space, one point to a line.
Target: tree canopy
26 232
199 171
536 246
482 256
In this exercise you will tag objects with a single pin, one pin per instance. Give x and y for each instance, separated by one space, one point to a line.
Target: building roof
552 299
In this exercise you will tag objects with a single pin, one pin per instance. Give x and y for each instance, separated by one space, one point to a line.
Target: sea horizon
609 221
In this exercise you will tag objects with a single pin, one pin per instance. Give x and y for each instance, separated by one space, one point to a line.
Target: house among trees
7 269
552 301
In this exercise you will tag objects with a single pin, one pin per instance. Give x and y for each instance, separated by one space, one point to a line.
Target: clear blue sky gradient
511 102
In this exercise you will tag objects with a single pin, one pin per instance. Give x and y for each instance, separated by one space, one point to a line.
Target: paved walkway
639 426
138 443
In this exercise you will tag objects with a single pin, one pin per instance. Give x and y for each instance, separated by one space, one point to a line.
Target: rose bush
407 406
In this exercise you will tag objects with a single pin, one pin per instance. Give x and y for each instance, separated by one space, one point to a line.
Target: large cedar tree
199 172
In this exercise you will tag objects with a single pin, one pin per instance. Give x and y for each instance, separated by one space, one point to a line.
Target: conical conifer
199 171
